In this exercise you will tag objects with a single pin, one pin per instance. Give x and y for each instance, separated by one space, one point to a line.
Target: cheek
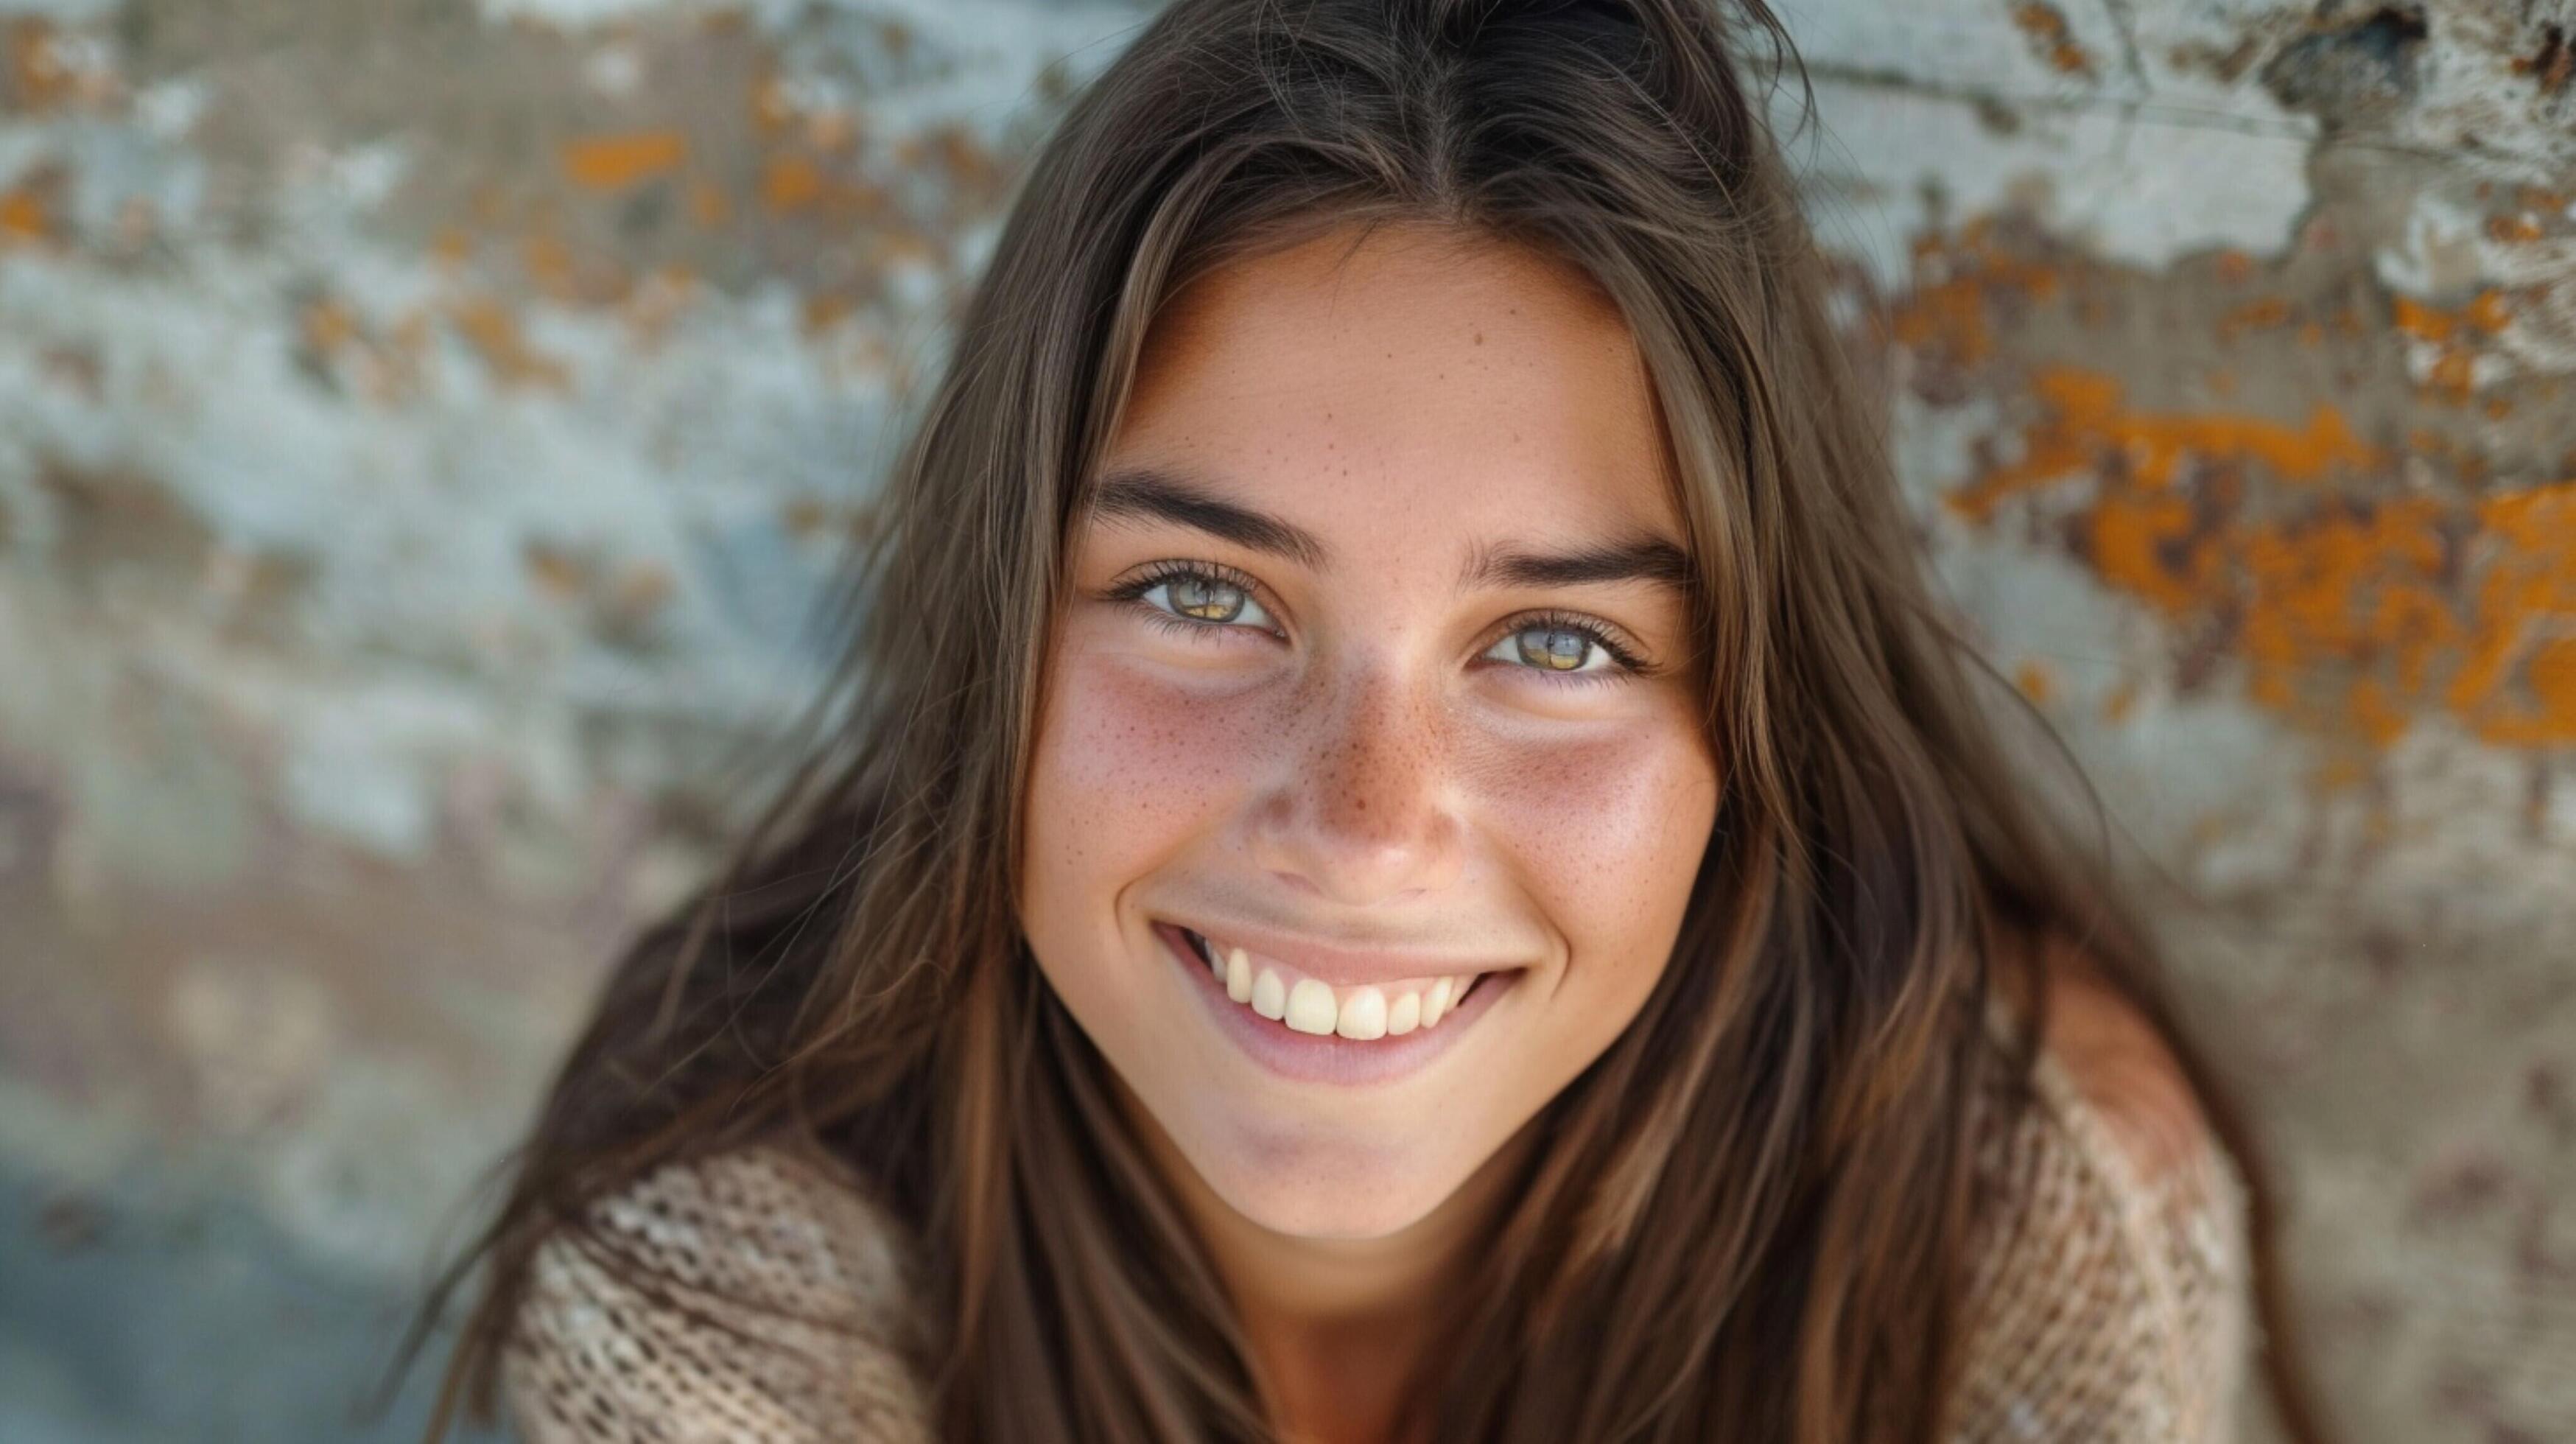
1606 835
1126 771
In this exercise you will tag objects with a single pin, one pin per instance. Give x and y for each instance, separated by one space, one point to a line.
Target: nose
1362 813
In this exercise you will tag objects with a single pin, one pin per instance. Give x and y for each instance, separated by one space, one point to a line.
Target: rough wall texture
421 426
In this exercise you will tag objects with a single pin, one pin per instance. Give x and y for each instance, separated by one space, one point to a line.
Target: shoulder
755 1294
2107 1285
2121 1069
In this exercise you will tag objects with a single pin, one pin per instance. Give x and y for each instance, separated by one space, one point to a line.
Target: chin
1293 1182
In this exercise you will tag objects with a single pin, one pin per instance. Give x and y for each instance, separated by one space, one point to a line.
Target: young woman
1405 857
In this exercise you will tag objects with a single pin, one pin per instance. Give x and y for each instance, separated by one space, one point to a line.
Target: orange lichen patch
803 516
2045 27
2513 229
1945 315
556 572
2523 612
634 595
2455 335
614 162
2036 681
2261 314
23 217
2122 703
790 183
2354 592
2234 266
831 131
824 310
2143 545
892 246
2453 375
1948 317
707 204
967 159
327 326
2351 616
494 334
2087 425
38 78
2423 322
549 263
2358 619
771 107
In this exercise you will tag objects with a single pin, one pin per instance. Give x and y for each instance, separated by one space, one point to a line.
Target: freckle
1480 338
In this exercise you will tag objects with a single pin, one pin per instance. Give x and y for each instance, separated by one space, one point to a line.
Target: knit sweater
2103 1305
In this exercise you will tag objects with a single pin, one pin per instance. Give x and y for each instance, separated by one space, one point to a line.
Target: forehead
1425 382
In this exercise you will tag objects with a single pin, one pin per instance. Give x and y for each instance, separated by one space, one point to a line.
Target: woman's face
1344 688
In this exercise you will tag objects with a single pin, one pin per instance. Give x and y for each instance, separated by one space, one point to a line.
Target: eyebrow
1161 494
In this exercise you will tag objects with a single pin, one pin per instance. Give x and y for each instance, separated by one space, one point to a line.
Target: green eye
1563 648
1197 598
1206 599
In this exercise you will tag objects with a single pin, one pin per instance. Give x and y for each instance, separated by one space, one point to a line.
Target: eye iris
1205 598
1562 652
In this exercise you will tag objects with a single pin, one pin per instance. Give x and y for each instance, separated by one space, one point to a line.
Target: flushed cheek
1132 763
1605 832
1140 749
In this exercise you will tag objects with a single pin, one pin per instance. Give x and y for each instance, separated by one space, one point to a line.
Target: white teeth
1270 996
1404 1014
1363 1015
1313 1006
1310 1007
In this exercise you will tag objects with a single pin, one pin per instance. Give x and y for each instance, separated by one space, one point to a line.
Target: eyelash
1629 664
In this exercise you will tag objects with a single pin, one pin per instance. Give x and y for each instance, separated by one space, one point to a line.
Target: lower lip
1329 1057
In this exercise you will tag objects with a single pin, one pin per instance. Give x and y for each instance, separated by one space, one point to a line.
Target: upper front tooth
1363 1015
1311 1008
1238 976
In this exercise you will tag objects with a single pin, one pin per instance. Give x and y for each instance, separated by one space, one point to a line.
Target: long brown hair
1747 1217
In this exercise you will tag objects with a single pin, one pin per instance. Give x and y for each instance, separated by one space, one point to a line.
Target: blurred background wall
422 424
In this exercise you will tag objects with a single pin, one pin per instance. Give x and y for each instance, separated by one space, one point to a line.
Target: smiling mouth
1310 1005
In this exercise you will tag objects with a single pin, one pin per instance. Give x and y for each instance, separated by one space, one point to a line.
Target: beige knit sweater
2105 1306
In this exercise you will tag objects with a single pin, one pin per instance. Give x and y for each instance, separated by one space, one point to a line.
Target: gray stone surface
423 423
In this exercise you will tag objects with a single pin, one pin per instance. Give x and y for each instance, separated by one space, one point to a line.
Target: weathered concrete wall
421 426
2232 344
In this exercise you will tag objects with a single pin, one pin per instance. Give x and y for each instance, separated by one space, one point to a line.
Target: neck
1338 1327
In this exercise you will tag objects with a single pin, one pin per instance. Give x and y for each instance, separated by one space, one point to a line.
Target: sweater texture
2102 1305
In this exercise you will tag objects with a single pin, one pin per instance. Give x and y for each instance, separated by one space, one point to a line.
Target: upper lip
1345 967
